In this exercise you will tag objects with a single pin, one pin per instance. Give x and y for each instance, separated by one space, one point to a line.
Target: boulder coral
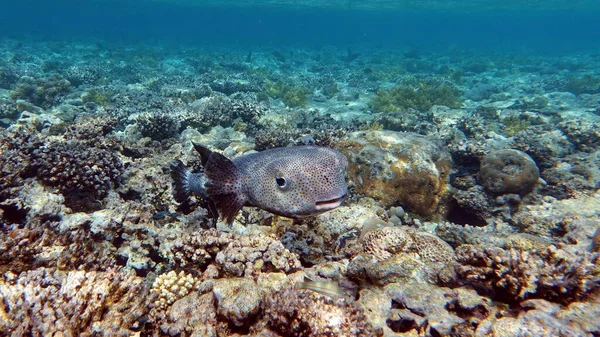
508 171
398 168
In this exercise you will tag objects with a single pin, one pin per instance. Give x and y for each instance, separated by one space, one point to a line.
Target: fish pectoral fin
228 204
225 186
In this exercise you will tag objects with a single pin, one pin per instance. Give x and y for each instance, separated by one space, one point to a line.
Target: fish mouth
330 204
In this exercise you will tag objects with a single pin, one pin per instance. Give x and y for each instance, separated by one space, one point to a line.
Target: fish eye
281 182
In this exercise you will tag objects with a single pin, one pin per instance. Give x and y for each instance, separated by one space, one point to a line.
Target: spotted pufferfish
294 182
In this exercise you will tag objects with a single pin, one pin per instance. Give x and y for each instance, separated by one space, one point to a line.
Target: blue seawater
548 27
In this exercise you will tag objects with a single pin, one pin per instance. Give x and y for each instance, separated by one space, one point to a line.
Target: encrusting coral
253 254
385 242
399 254
243 255
303 313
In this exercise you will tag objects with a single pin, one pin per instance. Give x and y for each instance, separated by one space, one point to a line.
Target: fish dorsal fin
203 151
225 185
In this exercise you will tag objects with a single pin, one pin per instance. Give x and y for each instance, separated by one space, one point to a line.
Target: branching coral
244 255
84 175
43 91
172 286
212 111
422 97
83 74
77 303
292 96
44 245
515 275
13 161
157 125
322 136
198 250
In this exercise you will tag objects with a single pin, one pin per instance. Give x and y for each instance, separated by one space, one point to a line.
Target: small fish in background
370 225
596 241
294 182
164 214
322 287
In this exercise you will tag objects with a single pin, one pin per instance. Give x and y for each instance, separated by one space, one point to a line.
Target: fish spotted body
294 182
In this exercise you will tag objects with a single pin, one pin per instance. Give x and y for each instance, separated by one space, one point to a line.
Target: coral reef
76 303
172 286
398 168
42 91
515 275
302 313
508 171
157 126
83 175
443 232
422 96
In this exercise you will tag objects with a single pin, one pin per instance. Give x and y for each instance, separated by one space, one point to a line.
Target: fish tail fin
224 187
181 180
